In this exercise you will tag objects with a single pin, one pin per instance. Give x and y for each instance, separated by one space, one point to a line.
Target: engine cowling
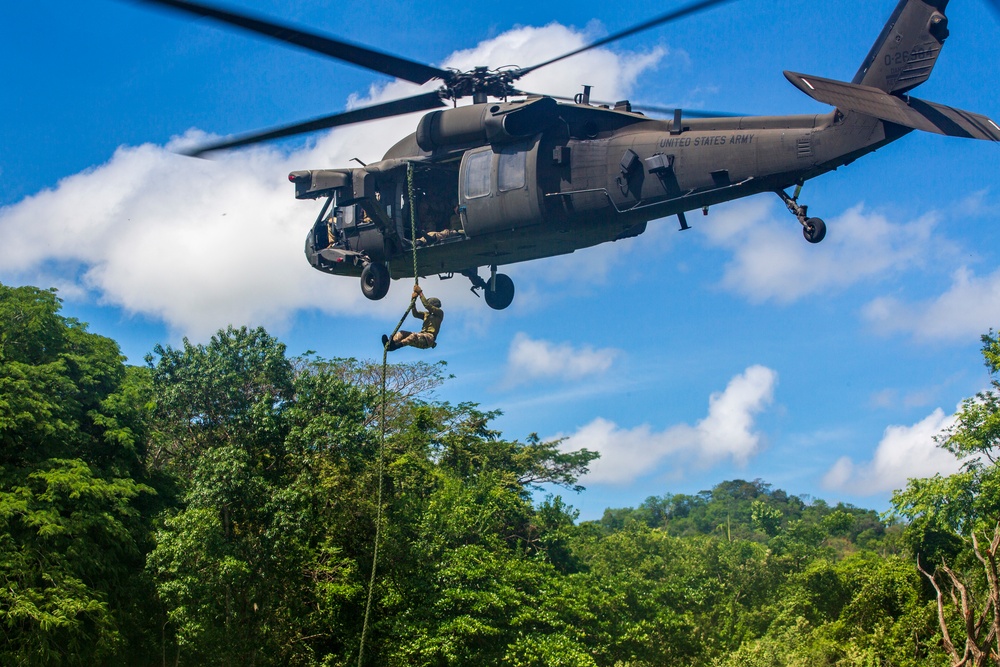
498 123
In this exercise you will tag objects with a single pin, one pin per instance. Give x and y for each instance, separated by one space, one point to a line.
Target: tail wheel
814 230
499 291
375 281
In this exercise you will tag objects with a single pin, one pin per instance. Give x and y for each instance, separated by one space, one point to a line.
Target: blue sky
732 350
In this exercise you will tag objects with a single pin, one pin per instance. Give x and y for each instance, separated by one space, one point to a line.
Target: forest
220 504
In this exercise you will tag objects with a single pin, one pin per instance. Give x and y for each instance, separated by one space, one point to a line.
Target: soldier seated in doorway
427 336
430 214
454 228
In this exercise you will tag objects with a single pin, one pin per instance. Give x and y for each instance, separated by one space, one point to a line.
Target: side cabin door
498 188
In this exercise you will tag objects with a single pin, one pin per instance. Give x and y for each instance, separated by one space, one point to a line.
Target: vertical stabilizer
904 54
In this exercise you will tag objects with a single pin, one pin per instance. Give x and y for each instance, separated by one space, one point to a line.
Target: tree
266 560
957 519
467 571
232 391
54 379
74 508
220 505
248 567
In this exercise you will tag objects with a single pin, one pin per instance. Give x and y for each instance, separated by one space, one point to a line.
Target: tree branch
949 645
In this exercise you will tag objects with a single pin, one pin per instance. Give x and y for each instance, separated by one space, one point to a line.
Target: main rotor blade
399 107
353 53
687 10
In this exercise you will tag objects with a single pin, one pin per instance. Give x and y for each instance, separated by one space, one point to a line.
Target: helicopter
518 176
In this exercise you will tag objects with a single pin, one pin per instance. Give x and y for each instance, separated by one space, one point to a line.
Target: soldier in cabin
454 228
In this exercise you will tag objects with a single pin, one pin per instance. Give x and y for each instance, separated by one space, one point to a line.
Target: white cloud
893 398
904 452
976 204
200 244
771 262
969 307
530 360
726 433
727 430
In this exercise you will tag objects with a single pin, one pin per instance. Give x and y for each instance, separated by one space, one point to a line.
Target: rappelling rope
381 447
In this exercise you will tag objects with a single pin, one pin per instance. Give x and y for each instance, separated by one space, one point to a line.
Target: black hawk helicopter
510 180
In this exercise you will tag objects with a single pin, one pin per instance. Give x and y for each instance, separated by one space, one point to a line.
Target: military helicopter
517 176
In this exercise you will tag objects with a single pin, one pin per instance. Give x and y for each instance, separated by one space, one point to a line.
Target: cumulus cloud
726 433
531 360
893 398
904 452
976 204
772 263
199 244
970 306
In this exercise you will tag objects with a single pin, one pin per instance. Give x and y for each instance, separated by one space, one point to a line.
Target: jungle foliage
218 506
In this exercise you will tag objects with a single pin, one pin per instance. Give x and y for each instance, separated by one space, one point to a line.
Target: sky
732 350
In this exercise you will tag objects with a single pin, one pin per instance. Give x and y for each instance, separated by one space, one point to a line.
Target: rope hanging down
381 447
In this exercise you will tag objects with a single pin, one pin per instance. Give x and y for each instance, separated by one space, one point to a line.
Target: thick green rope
381 448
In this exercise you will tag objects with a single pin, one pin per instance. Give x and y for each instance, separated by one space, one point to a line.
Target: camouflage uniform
427 335
454 228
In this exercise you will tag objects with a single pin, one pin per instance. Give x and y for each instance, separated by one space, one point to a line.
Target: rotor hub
481 83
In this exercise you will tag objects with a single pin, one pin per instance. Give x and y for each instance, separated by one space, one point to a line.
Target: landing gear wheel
814 230
499 291
375 281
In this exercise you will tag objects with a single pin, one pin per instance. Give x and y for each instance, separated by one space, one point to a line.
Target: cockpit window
477 174
511 168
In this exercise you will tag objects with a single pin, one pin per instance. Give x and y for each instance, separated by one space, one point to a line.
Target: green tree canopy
220 505
72 495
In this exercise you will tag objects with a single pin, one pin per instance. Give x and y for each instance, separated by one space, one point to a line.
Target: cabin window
477 174
511 168
345 216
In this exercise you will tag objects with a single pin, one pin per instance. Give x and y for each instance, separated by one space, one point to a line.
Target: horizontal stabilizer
905 111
